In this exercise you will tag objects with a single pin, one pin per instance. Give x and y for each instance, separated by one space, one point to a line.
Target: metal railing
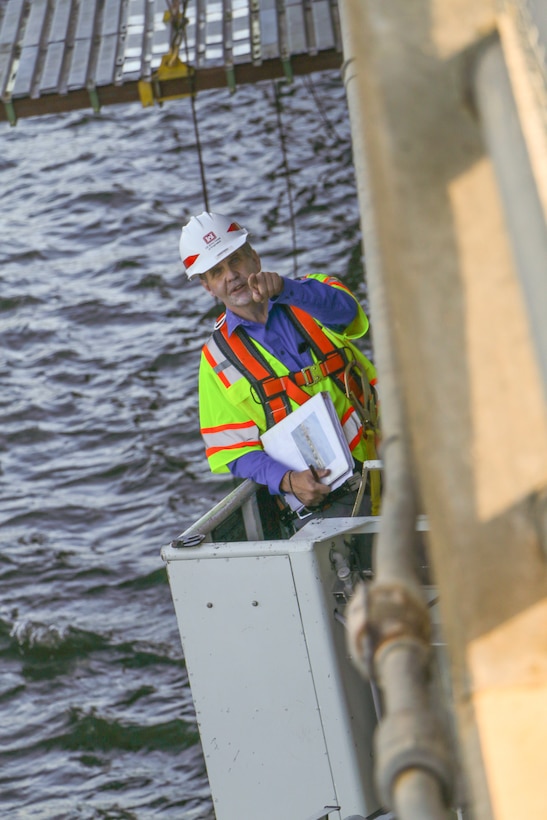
243 497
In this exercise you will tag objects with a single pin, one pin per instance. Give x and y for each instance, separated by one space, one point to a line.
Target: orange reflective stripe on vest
228 437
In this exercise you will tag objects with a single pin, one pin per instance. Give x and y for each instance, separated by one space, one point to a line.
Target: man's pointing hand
264 285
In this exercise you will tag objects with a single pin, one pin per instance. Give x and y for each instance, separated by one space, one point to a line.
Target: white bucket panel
285 720
252 686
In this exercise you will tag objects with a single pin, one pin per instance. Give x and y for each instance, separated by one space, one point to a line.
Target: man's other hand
305 486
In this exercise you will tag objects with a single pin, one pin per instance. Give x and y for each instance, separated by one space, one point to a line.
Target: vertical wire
200 157
193 103
308 82
278 108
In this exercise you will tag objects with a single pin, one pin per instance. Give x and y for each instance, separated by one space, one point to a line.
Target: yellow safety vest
244 389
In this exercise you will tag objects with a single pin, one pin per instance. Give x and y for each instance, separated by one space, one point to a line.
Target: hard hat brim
204 264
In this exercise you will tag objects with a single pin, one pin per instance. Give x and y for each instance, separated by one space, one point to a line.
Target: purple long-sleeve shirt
332 307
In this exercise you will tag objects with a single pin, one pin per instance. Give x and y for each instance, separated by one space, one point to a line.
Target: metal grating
57 55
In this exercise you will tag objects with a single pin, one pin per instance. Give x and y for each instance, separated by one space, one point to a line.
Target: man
279 342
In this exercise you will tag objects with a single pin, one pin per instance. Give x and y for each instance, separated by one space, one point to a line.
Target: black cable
200 157
278 108
321 108
183 20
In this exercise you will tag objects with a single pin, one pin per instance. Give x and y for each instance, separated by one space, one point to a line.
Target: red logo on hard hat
234 227
189 261
209 237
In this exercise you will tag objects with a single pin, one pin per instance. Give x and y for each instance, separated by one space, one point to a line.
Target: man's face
227 281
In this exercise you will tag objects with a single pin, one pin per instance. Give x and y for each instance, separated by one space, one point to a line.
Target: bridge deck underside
58 55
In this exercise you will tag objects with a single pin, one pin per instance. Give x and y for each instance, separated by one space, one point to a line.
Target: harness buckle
312 374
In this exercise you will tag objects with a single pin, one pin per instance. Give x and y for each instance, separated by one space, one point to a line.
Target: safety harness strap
333 359
353 381
274 392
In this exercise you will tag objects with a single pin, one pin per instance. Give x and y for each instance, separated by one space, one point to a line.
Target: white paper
311 435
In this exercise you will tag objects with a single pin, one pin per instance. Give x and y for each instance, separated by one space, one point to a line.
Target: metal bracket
171 68
188 541
10 112
287 69
324 813
231 79
94 99
312 374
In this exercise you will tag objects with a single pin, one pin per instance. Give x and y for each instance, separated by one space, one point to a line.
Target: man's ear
205 283
256 259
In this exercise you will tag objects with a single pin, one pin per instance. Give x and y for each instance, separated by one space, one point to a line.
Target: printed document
311 435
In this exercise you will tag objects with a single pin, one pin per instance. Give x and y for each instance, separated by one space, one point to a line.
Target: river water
101 462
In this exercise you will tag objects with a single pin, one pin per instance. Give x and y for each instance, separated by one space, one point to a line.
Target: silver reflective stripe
223 365
352 426
230 436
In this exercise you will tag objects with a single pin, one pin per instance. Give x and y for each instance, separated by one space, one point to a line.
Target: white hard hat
208 239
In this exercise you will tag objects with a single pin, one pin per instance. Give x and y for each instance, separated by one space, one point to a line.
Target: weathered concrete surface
436 235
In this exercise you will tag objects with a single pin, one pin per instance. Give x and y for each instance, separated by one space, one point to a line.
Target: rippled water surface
101 462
